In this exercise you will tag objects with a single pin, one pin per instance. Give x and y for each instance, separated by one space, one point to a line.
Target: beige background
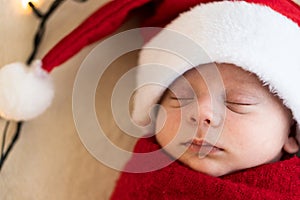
49 160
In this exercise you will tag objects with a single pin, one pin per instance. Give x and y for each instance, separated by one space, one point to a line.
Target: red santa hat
261 36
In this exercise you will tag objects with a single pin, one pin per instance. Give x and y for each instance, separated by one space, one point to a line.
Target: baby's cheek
238 132
167 127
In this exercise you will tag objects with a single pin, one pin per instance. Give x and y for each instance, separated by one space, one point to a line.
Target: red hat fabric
111 16
167 10
101 23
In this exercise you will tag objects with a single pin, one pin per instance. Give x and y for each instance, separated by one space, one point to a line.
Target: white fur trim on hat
252 36
25 91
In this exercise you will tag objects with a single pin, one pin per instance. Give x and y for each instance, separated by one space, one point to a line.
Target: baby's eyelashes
180 101
240 107
236 101
240 103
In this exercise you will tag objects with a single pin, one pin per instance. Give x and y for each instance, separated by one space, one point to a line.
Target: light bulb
26 6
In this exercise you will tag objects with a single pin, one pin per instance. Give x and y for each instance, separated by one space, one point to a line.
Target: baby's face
242 127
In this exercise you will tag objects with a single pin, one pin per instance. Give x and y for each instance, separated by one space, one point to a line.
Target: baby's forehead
230 74
231 78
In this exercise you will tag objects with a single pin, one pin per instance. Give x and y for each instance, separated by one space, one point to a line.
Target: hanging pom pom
25 92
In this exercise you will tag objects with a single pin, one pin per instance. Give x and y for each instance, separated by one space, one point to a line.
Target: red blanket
280 180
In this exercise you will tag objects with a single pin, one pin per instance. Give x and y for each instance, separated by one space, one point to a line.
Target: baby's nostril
207 121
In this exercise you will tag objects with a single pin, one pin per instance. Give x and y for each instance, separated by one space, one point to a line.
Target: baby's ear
298 138
291 145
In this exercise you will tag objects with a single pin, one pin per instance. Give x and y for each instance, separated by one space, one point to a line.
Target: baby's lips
200 144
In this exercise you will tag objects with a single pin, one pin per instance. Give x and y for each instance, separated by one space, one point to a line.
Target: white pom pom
25 92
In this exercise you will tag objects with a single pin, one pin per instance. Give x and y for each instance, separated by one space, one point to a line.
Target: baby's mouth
201 147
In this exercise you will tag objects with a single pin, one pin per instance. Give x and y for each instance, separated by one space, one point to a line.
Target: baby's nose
204 113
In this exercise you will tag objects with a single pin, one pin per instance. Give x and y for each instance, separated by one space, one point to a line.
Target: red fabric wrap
110 17
280 180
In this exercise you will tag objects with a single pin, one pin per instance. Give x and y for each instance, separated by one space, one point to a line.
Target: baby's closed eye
241 104
181 100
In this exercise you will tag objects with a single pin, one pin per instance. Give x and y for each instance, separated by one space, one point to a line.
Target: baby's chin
212 172
207 166
214 168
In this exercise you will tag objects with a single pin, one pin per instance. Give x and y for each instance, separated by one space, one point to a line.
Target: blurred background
49 161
